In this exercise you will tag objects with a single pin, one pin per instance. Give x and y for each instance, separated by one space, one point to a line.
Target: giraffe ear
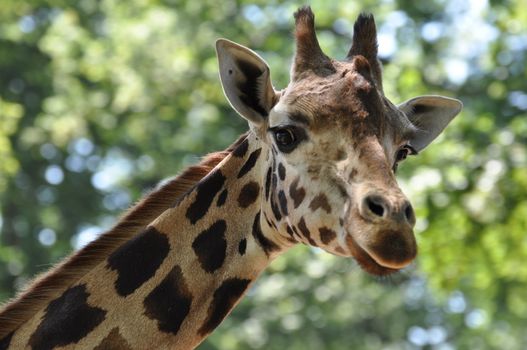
246 81
431 115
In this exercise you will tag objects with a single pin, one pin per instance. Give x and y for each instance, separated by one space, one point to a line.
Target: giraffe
317 167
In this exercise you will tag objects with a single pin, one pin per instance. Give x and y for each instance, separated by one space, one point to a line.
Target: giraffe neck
173 283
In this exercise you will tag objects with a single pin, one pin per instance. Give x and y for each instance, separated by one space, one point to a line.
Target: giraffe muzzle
382 240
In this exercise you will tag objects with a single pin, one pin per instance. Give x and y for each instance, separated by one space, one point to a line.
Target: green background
100 100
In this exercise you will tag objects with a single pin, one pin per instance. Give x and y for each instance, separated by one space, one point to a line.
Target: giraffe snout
383 240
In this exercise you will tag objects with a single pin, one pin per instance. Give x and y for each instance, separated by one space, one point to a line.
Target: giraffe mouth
366 261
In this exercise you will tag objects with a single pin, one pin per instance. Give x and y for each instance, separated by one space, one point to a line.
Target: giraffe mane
50 284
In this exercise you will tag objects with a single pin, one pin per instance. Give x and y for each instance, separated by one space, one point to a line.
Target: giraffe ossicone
316 167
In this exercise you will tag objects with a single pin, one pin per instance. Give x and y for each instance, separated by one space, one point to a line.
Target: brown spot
281 171
305 232
67 319
248 194
240 149
249 164
114 340
289 230
269 222
296 193
275 209
295 230
267 245
320 201
223 300
210 246
242 246
283 202
222 198
268 183
274 183
5 341
169 303
206 191
326 235
137 260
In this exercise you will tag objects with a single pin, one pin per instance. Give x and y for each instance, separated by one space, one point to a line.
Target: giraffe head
334 142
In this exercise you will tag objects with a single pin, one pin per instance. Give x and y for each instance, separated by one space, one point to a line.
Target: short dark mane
50 284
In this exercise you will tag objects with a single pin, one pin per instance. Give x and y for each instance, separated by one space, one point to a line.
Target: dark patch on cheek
296 193
283 202
222 198
67 320
268 183
210 246
114 341
320 201
267 245
5 341
274 205
242 246
249 164
305 231
137 260
223 300
248 194
169 302
206 191
281 171
241 149
326 235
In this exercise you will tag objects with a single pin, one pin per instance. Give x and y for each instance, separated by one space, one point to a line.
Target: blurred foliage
99 100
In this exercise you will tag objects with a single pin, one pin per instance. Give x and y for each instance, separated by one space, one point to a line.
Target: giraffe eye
286 139
402 153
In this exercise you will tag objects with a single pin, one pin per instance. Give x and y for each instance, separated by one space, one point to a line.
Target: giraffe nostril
409 214
375 205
